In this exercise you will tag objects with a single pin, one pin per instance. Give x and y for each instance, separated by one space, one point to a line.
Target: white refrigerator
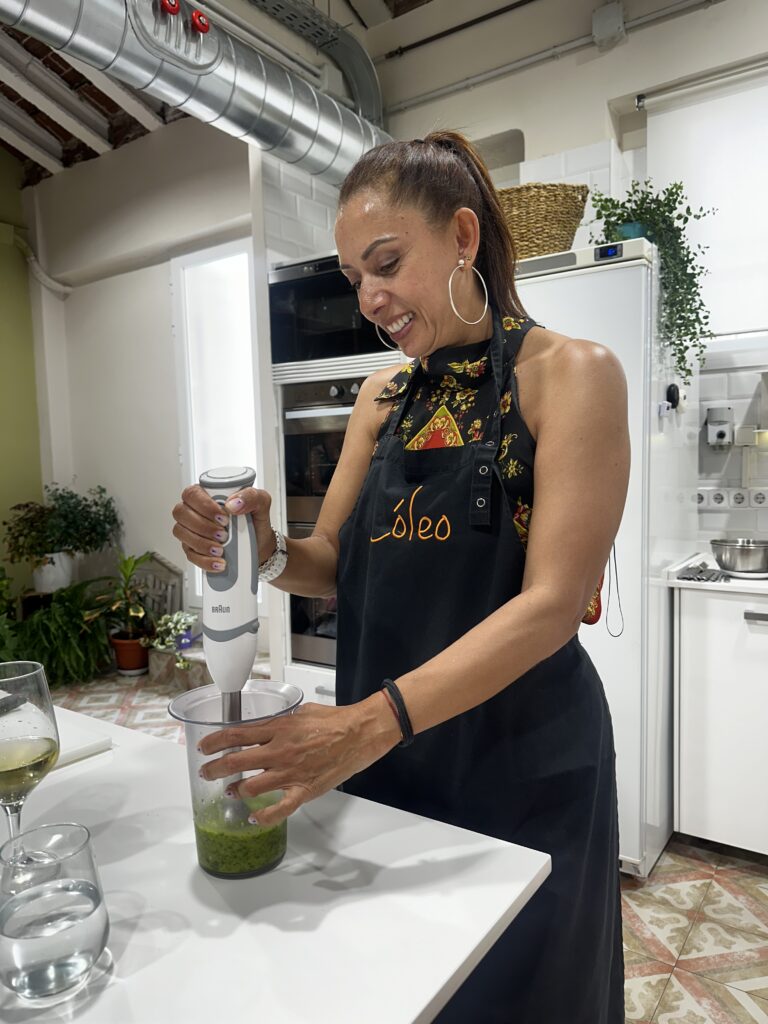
609 294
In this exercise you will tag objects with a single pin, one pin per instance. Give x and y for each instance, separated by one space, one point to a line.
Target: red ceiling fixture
199 22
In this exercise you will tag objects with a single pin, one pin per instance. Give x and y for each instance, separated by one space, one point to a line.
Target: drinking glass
29 739
54 928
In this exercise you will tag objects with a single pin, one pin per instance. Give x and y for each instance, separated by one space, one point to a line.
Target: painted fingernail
252 820
221 535
201 773
230 792
217 566
234 503
217 551
222 520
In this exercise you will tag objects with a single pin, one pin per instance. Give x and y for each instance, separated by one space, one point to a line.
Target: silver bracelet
274 566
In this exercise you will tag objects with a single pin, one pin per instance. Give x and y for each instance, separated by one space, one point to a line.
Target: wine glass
29 739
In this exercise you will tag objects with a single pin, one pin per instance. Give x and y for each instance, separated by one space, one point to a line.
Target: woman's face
399 265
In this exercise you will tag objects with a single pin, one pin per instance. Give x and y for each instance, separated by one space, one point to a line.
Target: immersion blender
230 598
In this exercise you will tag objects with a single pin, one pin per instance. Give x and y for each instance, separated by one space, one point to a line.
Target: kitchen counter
375 915
734 585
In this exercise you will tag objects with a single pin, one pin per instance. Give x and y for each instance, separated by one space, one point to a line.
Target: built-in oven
315 416
322 350
314 313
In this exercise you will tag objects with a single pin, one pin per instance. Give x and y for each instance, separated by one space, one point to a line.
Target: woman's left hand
304 754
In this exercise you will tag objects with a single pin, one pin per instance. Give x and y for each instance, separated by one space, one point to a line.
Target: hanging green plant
661 217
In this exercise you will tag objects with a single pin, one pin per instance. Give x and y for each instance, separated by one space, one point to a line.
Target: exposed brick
104 104
35 47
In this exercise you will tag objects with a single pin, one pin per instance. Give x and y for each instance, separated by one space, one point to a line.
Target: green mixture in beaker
231 847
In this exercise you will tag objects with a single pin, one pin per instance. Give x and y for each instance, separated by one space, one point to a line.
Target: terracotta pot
132 659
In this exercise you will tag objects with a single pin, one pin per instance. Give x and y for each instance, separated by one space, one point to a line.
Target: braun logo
223 608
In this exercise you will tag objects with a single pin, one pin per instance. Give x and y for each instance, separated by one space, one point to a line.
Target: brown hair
438 175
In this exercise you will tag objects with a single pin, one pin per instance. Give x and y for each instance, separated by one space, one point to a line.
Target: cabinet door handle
756 616
326 691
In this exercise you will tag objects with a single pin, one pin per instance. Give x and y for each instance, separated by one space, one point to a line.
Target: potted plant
67 635
7 619
173 633
123 606
48 535
661 217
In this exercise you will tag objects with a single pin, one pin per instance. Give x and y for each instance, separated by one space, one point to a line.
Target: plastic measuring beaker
228 845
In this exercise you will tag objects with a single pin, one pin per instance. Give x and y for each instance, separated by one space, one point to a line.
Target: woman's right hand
202 525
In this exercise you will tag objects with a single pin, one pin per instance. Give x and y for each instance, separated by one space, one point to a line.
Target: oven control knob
355 389
335 390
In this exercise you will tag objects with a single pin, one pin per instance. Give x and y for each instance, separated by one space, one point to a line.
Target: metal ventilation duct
171 51
311 24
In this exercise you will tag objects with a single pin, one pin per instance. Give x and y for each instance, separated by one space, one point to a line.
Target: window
212 300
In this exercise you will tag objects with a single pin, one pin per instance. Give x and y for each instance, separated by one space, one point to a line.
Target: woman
459 593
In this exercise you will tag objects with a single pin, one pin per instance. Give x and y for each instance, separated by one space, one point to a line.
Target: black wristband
402 712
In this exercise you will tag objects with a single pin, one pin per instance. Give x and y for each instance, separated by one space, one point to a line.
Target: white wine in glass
29 739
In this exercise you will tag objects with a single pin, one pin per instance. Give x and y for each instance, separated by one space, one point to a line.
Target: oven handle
313 421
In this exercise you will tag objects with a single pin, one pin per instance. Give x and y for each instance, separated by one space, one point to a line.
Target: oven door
313 439
314 314
313 619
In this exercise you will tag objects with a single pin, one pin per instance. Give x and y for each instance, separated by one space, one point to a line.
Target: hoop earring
395 348
460 266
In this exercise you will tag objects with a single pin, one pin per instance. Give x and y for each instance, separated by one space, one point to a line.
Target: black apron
429 551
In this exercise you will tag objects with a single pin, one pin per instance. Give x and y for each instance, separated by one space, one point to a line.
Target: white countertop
734 585
375 916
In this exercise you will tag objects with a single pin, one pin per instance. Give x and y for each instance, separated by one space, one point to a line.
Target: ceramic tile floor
695 931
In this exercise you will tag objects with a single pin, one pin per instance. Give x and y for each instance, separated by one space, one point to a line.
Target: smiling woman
461 569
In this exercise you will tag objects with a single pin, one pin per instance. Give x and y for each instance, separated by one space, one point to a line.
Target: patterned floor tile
131 701
644 983
739 899
691 999
729 956
654 927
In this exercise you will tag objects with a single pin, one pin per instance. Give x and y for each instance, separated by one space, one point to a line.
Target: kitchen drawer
723 718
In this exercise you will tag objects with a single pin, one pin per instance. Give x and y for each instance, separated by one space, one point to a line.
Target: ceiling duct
170 50
341 46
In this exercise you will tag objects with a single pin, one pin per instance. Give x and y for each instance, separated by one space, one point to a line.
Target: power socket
738 497
758 497
718 498
702 497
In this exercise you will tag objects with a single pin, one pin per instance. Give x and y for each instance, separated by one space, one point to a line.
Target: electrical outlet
738 497
718 498
702 497
758 497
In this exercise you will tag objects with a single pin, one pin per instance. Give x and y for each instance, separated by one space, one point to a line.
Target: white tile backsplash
312 212
299 211
743 384
546 168
279 201
736 383
586 158
295 181
713 386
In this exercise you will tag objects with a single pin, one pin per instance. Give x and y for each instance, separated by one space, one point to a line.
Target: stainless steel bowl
741 554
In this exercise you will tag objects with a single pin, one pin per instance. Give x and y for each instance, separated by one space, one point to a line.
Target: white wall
567 101
123 401
105 359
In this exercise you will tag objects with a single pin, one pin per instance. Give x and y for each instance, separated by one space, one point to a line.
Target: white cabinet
722 717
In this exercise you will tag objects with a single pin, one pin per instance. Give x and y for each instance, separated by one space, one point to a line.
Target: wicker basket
543 216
